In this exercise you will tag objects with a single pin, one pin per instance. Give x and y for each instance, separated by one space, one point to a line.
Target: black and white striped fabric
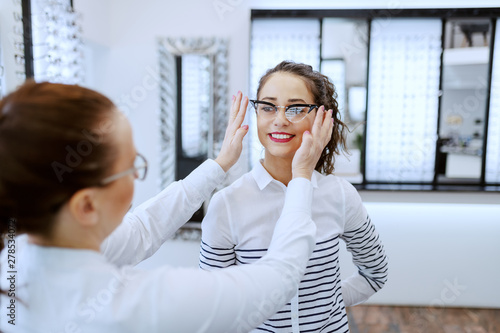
238 229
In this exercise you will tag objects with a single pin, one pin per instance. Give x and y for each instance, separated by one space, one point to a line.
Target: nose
281 119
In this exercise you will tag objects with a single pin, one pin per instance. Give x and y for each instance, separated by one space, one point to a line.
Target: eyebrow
291 100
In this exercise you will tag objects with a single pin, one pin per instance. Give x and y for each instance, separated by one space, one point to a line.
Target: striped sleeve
216 248
368 254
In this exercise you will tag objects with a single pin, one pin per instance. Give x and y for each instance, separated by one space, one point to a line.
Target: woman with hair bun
67 171
239 222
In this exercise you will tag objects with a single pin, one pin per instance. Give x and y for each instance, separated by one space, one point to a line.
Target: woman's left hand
232 144
309 152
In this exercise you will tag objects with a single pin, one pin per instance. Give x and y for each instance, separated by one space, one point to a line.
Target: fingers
232 144
235 106
238 112
318 121
240 117
323 126
327 127
307 140
240 133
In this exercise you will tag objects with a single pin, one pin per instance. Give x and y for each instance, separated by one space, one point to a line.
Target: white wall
432 240
433 245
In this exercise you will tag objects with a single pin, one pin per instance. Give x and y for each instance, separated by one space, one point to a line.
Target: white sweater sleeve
236 299
144 230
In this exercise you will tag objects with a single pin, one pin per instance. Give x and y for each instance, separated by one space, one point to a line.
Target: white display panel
275 40
403 100
335 70
57 42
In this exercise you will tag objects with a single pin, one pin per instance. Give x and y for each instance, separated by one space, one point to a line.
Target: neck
279 168
63 242
67 233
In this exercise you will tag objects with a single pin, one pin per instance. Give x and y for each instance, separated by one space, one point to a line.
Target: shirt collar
263 178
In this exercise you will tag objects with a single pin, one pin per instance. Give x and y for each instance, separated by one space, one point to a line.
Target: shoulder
349 189
243 184
334 183
239 191
344 193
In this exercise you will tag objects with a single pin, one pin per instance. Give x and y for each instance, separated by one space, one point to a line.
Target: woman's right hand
309 152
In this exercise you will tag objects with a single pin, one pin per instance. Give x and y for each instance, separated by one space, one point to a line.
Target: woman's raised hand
232 145
309 152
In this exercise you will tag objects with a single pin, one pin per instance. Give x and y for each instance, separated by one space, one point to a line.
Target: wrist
224 165
302 174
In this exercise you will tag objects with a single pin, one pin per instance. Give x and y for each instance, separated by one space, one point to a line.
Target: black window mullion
320 44
178 132
363 152
28 39
440 97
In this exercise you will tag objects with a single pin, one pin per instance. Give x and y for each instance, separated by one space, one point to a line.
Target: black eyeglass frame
310 106
132 170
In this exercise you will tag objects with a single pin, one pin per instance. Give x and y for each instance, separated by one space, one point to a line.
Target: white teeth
281 136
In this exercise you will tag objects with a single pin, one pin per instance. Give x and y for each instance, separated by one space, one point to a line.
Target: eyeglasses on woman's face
294 112
139 170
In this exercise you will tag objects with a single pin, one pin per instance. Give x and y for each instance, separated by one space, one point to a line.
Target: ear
83 205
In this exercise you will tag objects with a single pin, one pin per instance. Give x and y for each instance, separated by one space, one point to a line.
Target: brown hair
54 141
324 93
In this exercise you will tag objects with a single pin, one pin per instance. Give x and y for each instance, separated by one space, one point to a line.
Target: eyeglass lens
141 167
293 113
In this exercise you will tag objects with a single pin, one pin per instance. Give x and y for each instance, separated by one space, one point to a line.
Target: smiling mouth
281 137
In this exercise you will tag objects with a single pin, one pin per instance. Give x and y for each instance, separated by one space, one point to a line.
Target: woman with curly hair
239 222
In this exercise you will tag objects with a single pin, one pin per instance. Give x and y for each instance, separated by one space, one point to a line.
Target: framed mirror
193 110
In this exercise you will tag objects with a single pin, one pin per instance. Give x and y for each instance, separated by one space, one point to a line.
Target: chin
281 153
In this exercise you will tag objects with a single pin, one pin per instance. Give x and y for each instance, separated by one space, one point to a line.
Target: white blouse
238 227
73 290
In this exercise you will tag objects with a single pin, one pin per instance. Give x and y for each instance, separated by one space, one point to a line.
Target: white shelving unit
465 72
466 56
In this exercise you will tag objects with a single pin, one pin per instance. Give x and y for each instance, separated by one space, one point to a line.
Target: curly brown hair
324 93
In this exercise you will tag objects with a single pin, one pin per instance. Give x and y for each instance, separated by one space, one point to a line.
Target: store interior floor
406 319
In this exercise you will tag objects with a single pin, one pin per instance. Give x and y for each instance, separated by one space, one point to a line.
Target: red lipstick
280 137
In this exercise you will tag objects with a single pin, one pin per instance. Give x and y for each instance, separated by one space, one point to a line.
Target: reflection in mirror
193 109
463 101
195 106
